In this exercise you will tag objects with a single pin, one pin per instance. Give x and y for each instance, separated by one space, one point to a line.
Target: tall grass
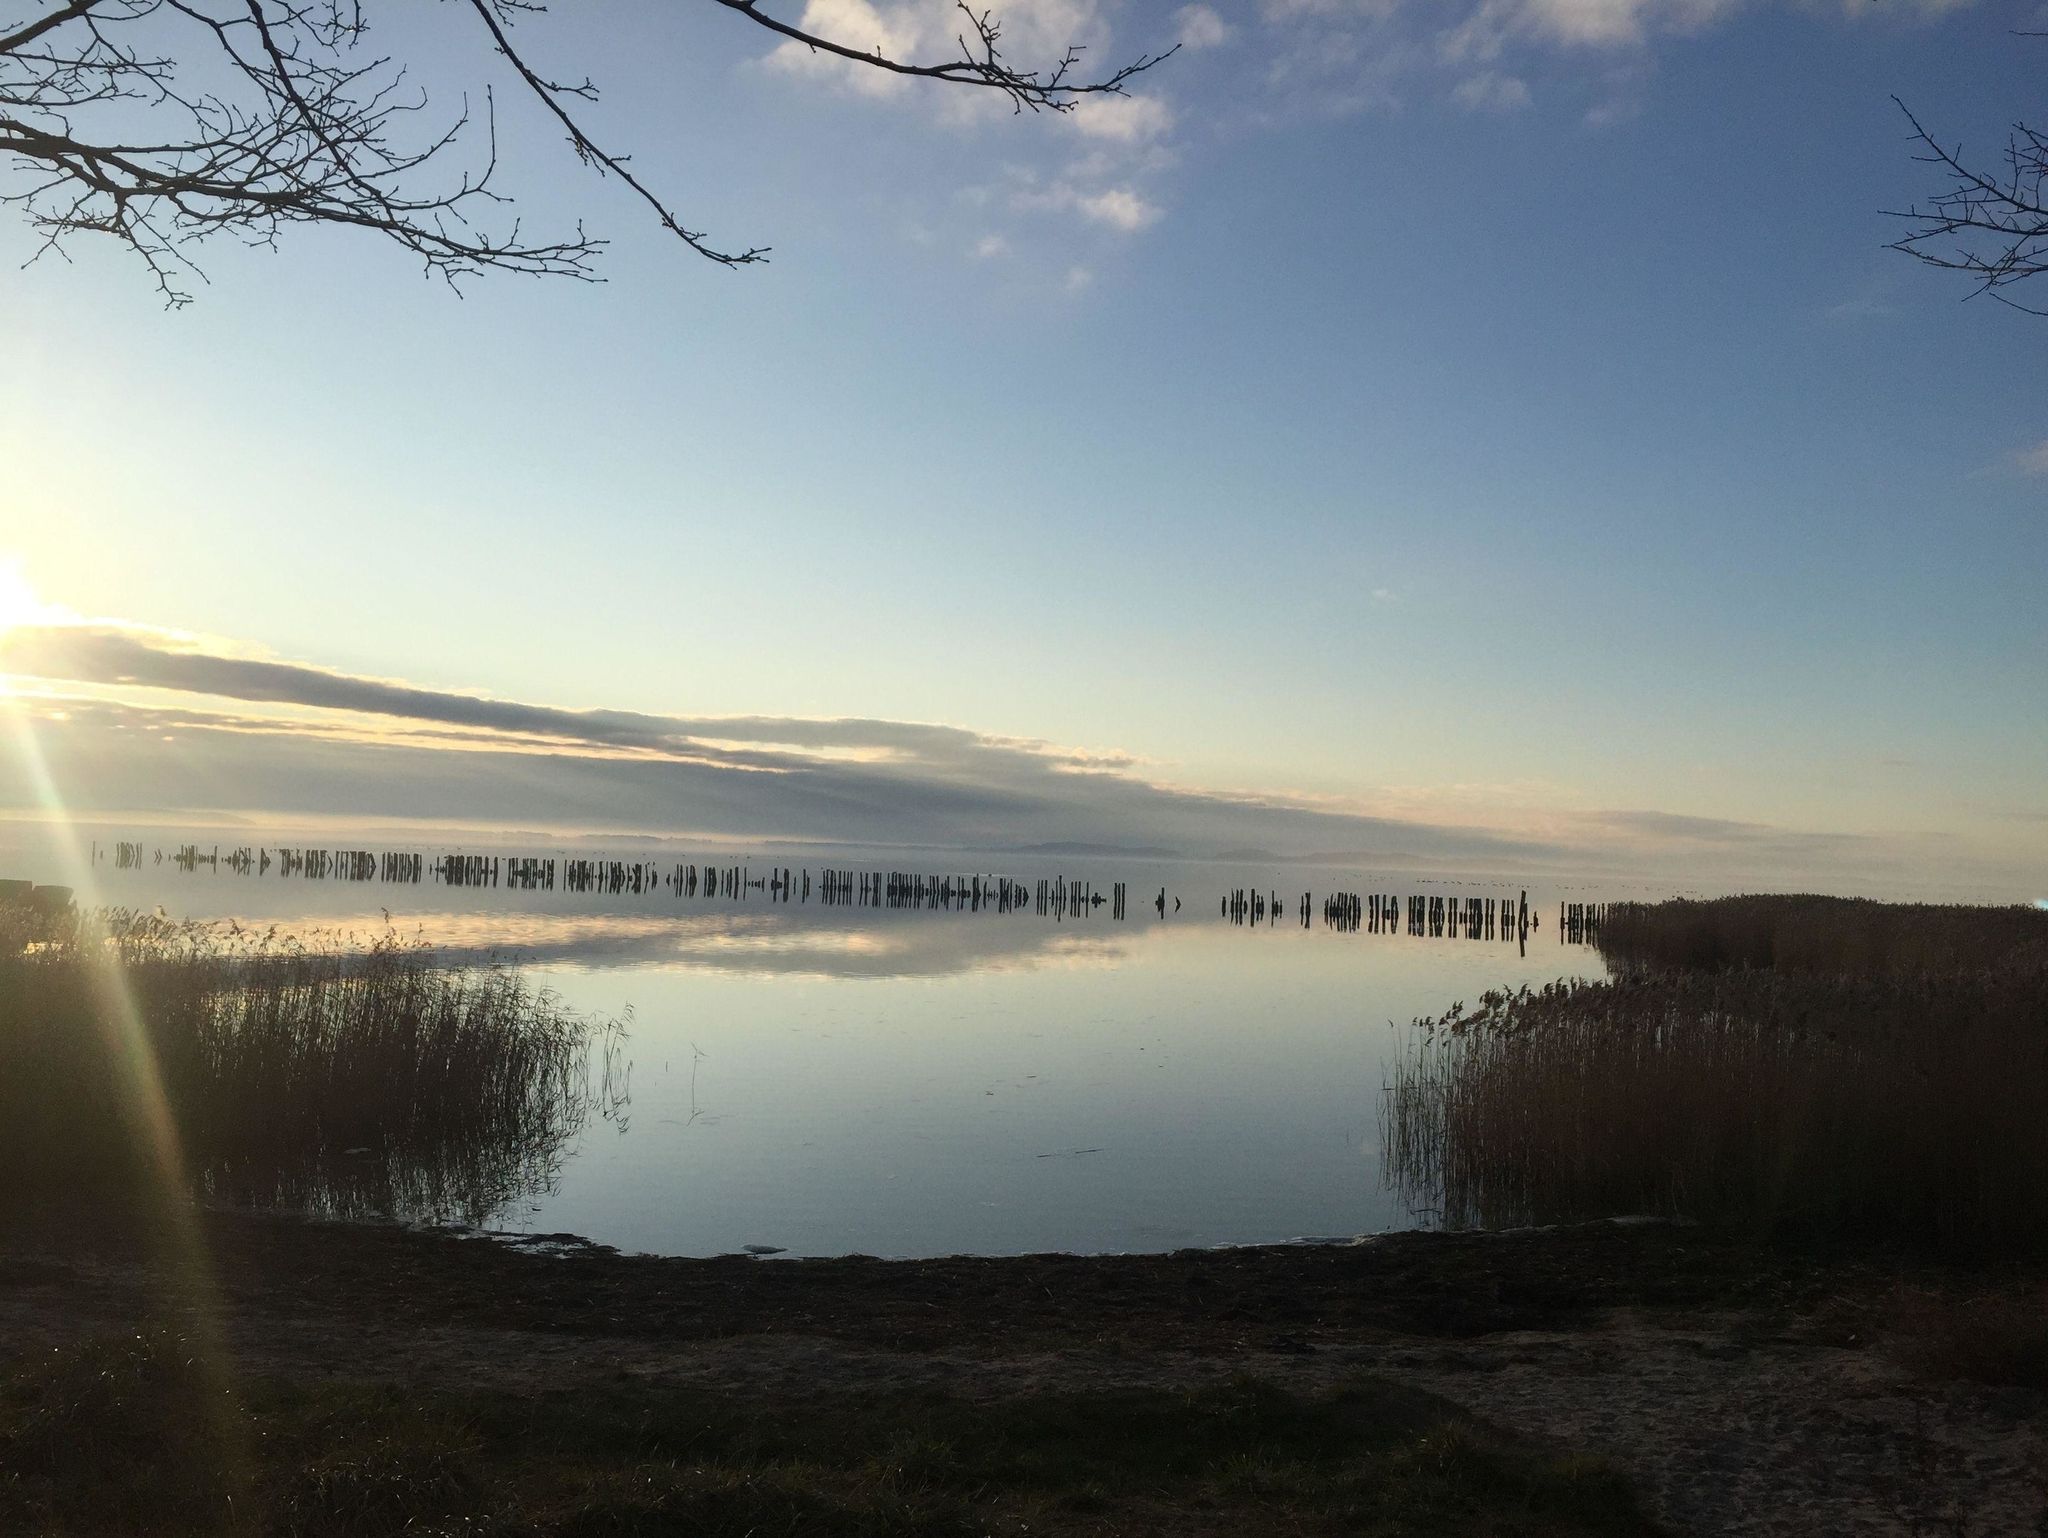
1840 935
321 1075
1899 1109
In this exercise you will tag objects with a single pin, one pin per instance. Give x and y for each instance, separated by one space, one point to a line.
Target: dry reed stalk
314 1073
1823 935
1902 1109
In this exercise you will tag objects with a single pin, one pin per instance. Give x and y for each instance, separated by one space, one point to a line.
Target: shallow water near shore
821 1079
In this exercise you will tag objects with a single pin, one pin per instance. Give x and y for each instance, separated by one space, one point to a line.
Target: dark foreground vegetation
108 1436
1798 1067
325 1076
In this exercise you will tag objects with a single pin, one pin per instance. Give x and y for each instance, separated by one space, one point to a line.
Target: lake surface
847 1078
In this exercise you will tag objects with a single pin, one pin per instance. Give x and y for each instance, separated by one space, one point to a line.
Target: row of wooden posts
878 889
1580 922
1437 916
1470 918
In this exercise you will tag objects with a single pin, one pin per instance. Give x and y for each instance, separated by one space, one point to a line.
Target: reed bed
1895 1109
1831 935
320 1074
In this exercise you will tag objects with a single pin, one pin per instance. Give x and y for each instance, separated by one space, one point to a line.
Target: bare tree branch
296 121
552 97
980 62
1990 225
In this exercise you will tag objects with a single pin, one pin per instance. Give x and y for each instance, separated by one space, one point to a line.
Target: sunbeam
166 1208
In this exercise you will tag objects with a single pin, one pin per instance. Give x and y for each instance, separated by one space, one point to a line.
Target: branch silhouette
1990 224
299 121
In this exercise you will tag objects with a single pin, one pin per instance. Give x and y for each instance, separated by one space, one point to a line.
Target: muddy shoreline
1428 1285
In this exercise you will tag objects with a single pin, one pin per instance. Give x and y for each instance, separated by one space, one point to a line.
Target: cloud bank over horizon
138 723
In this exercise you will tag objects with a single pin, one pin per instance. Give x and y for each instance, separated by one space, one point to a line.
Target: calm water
830 1080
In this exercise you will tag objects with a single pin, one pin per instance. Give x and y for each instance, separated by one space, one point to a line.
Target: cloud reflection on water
789 942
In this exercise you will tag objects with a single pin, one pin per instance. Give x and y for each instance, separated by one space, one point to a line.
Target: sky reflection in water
845 1080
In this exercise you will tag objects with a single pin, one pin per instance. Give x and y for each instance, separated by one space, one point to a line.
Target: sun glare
19 604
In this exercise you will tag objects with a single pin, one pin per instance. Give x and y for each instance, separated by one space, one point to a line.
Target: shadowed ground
1535 1382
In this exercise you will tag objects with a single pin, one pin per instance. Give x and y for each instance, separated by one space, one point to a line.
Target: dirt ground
1742 1390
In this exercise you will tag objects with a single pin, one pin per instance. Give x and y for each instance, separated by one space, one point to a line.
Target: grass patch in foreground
114 1437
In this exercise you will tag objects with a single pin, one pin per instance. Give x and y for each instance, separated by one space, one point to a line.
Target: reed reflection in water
315 1073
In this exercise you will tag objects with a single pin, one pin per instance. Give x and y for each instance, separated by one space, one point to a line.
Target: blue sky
1496 416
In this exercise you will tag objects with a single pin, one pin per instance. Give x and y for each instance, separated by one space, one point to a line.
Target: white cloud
1100 176
1479 38
899 32
1200 27
1077 279
1598 22
1120 208
1036 34
1491 91
1123 119
2033 461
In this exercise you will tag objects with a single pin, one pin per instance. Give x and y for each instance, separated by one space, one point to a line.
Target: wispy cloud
1112 187
1121 208
1491 27
1872 299
1480 53
1201 27
2033 461
1125 119
1286 60
1492 91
